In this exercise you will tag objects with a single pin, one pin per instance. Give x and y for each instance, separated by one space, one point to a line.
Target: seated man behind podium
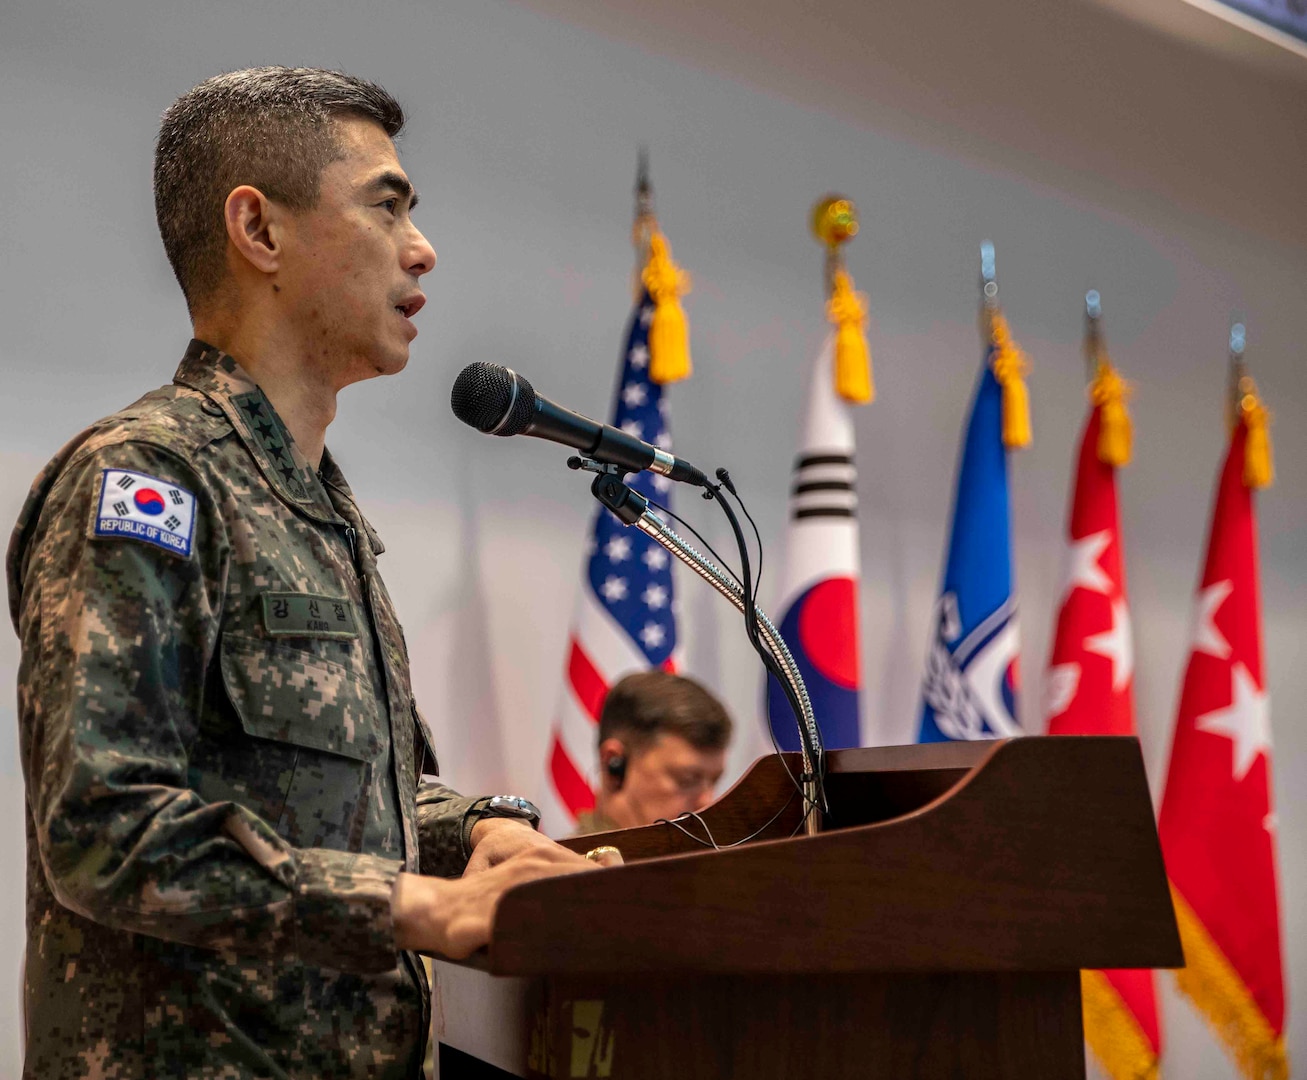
662 749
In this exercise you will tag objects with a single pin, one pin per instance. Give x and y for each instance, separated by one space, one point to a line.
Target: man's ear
254 228
612 765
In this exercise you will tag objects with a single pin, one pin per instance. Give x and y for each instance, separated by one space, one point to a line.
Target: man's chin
388 360
391 364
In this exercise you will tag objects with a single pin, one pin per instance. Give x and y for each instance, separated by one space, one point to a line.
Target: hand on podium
453 917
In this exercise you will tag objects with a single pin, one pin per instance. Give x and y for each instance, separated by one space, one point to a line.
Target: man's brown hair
270 127
643 706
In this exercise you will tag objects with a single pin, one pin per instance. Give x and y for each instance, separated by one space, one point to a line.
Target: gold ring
595 854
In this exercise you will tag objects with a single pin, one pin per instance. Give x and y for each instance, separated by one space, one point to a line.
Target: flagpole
1240 383
988 276
1093 333
644 221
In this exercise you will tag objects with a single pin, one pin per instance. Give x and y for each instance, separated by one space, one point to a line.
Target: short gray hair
269 127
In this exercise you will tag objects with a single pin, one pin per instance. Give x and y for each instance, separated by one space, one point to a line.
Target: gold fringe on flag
848 311
1258 462
1113 1034
1210 981
669 333
1009 369
1110 392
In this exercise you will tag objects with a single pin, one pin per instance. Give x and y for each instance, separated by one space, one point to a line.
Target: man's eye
390 205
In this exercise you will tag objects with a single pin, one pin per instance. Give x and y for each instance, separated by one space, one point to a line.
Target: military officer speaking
234 833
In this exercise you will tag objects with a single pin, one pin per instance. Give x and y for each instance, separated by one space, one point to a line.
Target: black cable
817 753
698 536
816 759
819 761
711 842
725 477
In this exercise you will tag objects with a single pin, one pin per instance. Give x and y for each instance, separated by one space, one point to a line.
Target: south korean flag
144 507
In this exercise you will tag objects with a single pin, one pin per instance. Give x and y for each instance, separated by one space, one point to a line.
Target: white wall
523 137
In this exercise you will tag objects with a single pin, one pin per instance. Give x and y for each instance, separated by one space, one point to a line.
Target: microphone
498 401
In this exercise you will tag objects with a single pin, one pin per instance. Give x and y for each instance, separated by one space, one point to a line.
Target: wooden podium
936 928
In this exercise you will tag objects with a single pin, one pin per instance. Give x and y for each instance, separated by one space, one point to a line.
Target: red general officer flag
1091 692
1217 822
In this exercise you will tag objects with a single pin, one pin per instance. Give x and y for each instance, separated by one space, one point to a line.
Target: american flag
624 619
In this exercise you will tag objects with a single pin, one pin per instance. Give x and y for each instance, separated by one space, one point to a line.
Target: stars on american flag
630 574
655 597
613 588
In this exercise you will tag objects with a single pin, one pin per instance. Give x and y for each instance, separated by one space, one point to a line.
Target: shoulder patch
143 507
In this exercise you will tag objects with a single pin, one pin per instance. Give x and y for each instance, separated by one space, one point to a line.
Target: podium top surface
1032 854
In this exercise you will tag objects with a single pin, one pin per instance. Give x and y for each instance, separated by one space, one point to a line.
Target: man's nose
420 256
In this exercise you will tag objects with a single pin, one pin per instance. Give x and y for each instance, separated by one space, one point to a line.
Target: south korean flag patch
146 508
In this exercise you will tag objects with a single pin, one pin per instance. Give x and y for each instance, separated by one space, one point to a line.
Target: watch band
513 807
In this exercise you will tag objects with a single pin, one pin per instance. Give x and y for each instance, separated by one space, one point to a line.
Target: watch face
514 806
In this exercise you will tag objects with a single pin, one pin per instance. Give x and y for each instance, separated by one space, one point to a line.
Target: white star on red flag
1207 638
1117 644
1246 721
1083 566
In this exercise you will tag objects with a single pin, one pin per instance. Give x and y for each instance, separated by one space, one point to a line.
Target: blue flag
970 686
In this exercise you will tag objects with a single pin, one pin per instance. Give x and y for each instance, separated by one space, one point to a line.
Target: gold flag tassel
1113 1034
1010 367
848 311
669 333
1110 392
1210 981
1258 462
1245 406
834 223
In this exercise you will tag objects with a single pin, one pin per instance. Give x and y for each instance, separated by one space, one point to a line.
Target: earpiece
616 768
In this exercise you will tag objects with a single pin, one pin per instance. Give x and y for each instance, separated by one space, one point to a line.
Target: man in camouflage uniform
230 839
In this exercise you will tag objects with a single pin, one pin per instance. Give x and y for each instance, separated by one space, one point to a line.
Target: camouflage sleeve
117 637
442 836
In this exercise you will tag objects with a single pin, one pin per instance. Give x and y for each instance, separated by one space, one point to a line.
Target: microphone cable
815 755
698 536
775 673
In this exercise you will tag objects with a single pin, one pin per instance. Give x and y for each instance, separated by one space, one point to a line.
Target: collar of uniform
224 382
593 821
334 481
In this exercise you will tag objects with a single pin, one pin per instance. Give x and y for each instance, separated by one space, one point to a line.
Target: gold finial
834 220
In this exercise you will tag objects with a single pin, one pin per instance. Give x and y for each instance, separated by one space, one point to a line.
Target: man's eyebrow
396 182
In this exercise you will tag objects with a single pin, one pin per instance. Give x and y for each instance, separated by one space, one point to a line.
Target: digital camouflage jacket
222 753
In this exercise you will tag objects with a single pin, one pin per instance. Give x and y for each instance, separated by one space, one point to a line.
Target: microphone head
493 399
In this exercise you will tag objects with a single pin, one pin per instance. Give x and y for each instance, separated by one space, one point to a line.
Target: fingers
607 855
455 917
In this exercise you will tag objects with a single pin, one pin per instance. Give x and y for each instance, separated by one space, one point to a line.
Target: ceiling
1169 104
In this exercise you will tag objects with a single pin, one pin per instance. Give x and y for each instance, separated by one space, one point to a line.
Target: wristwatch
504 806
